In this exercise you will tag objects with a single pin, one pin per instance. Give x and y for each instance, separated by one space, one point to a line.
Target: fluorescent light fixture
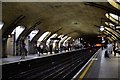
118 1
114 16
107 23
118 27
111 18
1 24
111 24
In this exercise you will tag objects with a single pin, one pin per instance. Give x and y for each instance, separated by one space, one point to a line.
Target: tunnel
59 40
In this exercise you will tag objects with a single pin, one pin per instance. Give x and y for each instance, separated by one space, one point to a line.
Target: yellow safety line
85 71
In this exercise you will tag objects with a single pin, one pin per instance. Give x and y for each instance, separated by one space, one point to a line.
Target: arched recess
32 34
43 37
6 32
65 43
56 42
52 33
12 38
25 36
51 41
61 42
37 36
29 45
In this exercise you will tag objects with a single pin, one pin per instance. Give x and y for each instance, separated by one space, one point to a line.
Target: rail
57 67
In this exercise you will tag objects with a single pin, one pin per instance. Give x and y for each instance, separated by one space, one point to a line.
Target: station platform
13 59
101 68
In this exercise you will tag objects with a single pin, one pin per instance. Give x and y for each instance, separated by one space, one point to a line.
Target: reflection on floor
109 66
105 67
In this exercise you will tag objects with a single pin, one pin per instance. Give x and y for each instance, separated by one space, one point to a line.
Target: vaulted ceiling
76 18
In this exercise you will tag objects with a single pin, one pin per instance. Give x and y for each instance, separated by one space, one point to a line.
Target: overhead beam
108 35
8 30
114 11
53 33
27 31
112 34
113 29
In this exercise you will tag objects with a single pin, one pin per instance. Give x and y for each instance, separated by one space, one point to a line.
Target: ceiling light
114 3
118 1
112 18
101 28
117 27
9 36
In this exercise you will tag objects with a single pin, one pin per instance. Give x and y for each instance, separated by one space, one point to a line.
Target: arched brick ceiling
73 17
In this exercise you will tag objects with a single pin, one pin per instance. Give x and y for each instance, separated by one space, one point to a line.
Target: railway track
63 69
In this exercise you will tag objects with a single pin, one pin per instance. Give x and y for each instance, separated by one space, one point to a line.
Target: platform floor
13 59
104 68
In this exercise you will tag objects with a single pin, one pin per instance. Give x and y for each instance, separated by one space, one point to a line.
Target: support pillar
1 43
4 47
